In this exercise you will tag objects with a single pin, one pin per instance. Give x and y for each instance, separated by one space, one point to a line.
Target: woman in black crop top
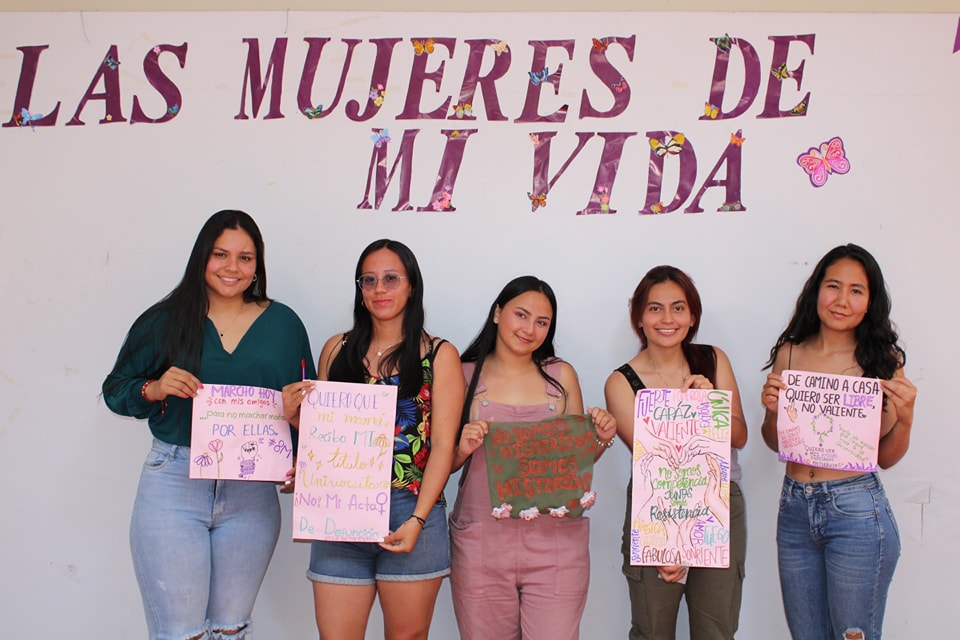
665 311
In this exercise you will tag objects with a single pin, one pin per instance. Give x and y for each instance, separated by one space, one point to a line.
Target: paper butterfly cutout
800 109
537 201
780 73
711 111
499 47
314 112
535 139
423 46
657 208
25 118
673 145
600 45
156 50
174 110
537 78
380 138
461 110
455 133
621 86
731 206
723 43
111 62
737 140
820 162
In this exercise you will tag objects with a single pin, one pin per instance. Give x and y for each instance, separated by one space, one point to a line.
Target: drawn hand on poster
642 470
679 536
719 508
660 447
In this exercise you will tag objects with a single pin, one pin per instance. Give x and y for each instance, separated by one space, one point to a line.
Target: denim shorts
363 563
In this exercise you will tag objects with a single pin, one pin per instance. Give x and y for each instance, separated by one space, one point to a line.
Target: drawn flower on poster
820 162
378 94
203 460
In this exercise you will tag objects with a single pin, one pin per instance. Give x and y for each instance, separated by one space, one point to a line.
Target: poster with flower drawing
238 432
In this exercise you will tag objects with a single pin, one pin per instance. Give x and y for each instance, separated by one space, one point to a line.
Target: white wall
96 222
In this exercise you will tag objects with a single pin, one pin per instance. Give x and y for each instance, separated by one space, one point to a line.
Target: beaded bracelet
607 444
143 390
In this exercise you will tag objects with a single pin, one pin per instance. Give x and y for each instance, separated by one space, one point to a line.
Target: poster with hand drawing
238 432
681 478
830 421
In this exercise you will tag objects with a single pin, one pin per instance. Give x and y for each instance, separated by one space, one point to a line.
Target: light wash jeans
838 546
200 547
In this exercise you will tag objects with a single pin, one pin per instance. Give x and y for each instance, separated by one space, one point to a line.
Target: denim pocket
157 459
859 503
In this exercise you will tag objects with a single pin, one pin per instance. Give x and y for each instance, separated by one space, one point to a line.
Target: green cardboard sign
541 468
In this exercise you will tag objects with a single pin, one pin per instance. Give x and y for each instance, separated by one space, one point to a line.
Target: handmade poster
541 468
681 478
344 461
239 433
830 421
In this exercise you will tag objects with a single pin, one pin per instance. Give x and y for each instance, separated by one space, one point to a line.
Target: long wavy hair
486 341
878 351
697 359
348 365
177 321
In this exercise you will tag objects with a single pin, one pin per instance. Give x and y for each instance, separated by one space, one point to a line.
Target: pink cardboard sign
830 421
239 433
681 478
344 462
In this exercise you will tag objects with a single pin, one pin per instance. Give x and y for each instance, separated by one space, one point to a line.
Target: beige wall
915 6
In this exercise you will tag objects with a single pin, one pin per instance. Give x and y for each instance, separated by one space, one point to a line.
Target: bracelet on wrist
423 523
143 390
605 444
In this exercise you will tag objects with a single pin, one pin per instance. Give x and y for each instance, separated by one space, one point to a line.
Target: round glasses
390 281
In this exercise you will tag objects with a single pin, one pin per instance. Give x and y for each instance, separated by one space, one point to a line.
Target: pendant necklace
660 375
232 322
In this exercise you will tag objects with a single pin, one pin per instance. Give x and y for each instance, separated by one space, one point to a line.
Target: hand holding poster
239 433
681 478
830 421
543 467
344 461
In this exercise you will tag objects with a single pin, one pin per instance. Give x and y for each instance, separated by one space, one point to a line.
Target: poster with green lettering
829 421
541 468
681 478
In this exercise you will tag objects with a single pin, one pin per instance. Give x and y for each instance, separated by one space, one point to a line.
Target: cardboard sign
239 433
541 468
344 462
681 478
830 421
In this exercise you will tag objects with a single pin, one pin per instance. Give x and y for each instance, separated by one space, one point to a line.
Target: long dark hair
878 351
178 319
485 342
348 364
700 361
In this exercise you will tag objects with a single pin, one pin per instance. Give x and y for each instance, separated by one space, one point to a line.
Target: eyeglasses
390 281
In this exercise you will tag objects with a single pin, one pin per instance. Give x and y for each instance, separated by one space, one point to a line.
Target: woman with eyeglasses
388 345
665 312
518 578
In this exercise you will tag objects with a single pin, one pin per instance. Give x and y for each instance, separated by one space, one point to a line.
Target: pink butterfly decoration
820 163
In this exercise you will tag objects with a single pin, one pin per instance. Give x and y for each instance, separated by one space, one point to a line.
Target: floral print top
411 435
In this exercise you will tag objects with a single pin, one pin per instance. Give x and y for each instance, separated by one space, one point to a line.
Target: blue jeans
200 547
838 546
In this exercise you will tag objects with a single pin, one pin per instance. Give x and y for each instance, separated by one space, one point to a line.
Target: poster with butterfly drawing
680 511
829 421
